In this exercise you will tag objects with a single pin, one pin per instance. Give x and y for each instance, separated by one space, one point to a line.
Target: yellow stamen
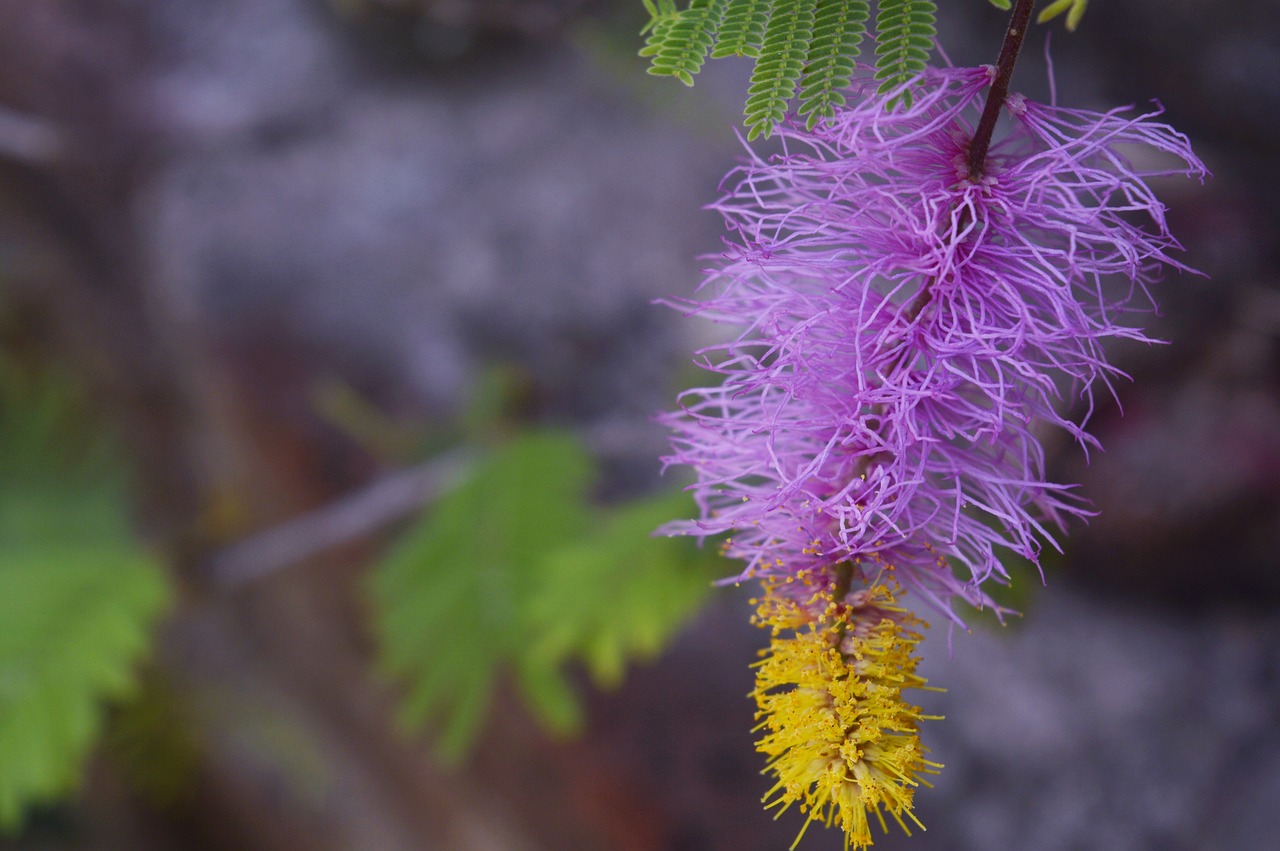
840 740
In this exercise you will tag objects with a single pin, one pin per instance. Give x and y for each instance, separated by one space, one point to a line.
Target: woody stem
1013 38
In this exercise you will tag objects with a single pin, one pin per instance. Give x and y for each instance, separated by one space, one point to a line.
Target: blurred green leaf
618 594
450 596
1073 8
548 694
78 596
515 573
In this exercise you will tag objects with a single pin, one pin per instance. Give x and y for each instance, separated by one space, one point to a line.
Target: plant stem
999 91
1013 37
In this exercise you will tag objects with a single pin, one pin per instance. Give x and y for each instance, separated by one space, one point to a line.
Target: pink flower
907 331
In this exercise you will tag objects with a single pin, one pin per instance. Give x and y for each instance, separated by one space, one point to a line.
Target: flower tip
840 740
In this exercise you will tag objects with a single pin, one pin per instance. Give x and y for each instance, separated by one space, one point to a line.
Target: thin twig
391 498
978 147
1017 31
379 504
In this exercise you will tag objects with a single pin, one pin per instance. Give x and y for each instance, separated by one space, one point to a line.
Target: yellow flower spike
840 740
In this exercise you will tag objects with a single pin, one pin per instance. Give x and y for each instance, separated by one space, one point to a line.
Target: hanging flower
840 739
907 329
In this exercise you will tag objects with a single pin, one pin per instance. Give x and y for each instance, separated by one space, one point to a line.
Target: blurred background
276 275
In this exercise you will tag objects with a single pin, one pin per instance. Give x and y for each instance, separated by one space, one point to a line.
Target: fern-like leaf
905 32
811 44
781 62
516 573
78 594
838 28
77 614
450 598
679 41
618 594
742 28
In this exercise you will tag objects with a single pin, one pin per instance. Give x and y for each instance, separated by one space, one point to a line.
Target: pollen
840 740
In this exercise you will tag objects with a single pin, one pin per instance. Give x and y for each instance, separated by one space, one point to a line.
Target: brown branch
372 508
1013 37
389 499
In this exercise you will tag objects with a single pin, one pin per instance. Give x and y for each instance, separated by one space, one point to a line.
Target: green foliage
742 31
78 596
810 44
515 572
904 33
449 598
625 590
780 64
680 41
837 33
1073 8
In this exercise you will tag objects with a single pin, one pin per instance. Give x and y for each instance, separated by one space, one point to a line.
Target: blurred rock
412 226
1106 726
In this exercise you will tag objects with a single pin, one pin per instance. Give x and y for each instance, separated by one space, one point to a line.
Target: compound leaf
781 62
620 593
516 573
78 595
680 40
837 33
812 44
905 31
450 596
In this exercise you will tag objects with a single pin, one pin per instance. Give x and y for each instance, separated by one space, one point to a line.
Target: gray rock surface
414 223
1097 724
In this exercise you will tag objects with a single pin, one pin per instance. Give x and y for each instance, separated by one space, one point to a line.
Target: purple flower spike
907 329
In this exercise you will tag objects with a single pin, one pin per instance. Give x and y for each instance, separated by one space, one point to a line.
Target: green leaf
905 31
781 62
837 33
450 596
78 595
742 28
812 44
1001 4
620 593
680 41
548 694
1073 8
515 573
77 615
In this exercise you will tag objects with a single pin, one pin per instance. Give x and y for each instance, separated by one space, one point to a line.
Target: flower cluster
907 328
839 736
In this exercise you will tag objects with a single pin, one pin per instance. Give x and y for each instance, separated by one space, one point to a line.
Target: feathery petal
906 331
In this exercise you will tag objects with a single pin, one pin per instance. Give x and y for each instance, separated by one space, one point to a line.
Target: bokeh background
274 237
